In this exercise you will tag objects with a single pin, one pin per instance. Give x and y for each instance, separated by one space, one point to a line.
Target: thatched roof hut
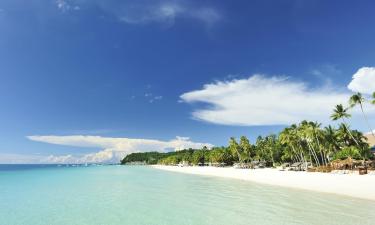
346 164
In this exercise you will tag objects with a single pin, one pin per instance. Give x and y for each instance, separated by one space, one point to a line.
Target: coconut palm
235 148
330 140
341 113
246 147
293 137
271 148
306 134
318 135
343 136
357 99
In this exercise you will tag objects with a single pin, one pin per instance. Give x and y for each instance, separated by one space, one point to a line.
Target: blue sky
151 70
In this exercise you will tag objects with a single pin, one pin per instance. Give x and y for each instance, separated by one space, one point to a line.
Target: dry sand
354 185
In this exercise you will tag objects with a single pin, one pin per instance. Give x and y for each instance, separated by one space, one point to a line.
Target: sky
94 80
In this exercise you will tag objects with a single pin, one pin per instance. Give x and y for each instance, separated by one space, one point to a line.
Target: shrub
347 152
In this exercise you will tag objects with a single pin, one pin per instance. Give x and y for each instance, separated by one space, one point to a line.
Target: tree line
306 142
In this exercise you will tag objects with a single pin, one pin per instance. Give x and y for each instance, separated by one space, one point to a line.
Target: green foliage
157 157
220 155
348 152
146 157
247 150
303 142
234 149
356 99
340 113
198 157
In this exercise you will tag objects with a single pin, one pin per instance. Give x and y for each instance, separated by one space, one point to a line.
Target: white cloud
363 81
113 149
261 100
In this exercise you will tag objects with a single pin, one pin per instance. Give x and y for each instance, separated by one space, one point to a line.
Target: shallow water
106 195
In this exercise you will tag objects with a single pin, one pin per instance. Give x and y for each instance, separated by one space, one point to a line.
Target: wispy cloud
363 81
112 149
151 98
324 73
165 12
263 100
66 5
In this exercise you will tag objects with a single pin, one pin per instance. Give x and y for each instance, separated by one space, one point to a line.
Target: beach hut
284 167
296 166
346 164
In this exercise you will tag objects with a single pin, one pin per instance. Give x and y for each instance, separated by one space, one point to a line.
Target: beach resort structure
371 142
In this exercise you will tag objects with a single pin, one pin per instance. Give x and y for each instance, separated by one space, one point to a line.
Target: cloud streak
112 149
262 100
165 12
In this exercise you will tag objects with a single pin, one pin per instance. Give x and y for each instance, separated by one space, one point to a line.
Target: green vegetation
146 157
306 142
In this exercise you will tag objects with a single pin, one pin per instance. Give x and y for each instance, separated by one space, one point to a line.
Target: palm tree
330 140
235 148
291 137
345 140
357 99
307 135
341 113
318 134
246 147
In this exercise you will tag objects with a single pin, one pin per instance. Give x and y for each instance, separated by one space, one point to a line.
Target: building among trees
371 142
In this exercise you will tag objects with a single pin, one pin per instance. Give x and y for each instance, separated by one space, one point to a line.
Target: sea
142 195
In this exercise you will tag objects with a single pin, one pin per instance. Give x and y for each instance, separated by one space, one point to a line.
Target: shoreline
352 185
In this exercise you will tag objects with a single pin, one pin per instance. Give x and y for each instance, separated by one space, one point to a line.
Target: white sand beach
353 185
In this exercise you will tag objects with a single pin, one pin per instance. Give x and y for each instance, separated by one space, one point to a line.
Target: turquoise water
106 195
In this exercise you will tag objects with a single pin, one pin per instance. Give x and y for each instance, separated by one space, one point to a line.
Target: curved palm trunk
320 149
312 151
303 156
238 155
350 133
296 156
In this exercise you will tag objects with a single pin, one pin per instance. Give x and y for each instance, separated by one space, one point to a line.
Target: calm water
107 195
